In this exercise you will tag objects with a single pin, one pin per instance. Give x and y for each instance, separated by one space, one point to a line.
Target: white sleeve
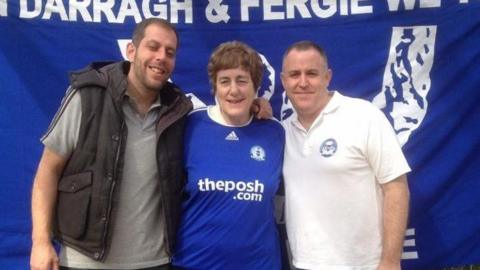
384 153
62 134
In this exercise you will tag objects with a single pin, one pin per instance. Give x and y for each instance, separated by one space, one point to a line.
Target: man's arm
395 215
44 196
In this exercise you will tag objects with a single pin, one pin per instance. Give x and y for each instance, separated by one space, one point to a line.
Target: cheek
288 92
219 94
250 94
171 63
289 86
322 83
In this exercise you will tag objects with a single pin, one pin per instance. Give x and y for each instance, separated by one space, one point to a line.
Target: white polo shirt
332 176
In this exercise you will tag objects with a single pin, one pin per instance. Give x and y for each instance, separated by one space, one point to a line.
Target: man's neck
143 98
306 119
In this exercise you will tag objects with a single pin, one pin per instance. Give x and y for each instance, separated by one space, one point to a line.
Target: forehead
233 72
303 58
161 34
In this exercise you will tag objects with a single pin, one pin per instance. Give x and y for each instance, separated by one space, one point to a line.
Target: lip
235 101
303 93
157 70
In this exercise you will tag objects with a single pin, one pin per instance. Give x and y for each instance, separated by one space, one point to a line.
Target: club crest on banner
406 80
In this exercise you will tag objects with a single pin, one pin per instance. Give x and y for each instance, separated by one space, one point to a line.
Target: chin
157 85
236 113
239 111
305 103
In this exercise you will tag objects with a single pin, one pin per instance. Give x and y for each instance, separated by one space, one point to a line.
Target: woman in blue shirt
233 163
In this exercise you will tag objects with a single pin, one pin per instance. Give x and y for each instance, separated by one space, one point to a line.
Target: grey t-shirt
139 227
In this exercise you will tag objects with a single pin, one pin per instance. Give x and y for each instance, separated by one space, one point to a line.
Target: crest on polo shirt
328 148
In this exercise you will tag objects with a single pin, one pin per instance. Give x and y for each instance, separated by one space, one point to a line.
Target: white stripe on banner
3 8
409 255
409 244
410 232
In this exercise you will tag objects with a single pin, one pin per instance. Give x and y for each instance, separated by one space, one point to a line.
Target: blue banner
417 60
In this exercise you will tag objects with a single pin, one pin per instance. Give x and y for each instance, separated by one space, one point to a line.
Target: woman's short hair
235 54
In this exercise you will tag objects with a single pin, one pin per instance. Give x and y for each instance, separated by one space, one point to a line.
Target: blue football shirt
233 175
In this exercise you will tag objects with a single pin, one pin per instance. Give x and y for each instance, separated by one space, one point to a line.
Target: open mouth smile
235 101
158 70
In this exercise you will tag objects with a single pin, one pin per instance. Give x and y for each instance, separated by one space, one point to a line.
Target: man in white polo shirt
346 189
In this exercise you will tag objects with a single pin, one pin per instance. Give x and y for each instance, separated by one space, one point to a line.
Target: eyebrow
154 42
291 71
236 77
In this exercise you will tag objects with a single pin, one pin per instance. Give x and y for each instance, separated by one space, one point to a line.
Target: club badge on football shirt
257 153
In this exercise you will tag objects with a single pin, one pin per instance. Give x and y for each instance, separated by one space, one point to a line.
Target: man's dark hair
306 45
139 32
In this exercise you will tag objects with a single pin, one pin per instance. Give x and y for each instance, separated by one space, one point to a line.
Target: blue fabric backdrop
418 60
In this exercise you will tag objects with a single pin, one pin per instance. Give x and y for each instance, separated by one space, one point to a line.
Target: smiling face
235 93
153 59
305 78
235 71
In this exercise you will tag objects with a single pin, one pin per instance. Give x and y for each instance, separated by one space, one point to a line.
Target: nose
160 54
233 88
303 81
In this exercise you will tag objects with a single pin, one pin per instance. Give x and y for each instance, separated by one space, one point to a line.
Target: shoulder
269 127
274 123
197 112
360 108
286 123
172 95
95 74
356 102
197 115
92 81
71 102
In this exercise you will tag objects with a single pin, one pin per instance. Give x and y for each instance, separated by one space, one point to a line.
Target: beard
147 79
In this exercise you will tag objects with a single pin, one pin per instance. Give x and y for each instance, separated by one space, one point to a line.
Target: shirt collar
131 102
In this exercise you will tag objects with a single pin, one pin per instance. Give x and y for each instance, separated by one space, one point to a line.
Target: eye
223 82
151 46
171 53
312 73
294 75
242 81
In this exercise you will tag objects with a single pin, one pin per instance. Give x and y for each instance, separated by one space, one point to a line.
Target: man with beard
109 179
